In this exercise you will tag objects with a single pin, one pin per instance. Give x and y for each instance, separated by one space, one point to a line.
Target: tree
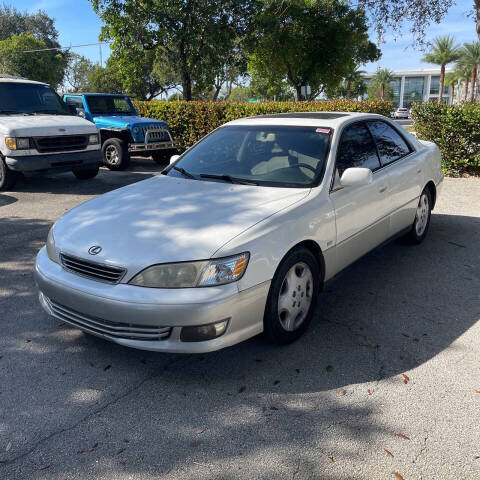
443 52
78 73
105 79
469 60
40 27
309 42
191 34
15 61
379 86
451 80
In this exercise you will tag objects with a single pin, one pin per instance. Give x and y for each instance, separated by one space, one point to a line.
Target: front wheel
419 229
86 174
8 178
115 154
292 297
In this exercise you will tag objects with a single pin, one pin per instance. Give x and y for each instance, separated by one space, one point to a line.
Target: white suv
39 133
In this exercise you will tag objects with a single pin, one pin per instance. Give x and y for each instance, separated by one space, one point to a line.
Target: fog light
203 333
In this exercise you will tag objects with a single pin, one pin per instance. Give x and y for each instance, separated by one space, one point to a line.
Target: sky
77 23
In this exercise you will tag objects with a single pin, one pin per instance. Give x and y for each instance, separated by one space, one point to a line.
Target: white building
415 86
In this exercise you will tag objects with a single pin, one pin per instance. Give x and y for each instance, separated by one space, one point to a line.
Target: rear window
391 146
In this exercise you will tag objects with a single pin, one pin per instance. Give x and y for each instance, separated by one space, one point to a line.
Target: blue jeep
122 131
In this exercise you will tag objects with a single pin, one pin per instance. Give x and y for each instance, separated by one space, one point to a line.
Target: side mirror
353 177
80 112
174 158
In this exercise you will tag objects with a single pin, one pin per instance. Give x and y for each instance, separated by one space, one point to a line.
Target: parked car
39 133
122 131
239 234
401 113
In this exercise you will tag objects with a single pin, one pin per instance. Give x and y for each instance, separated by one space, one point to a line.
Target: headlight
208 273
51 250
14 143
136 130
93 139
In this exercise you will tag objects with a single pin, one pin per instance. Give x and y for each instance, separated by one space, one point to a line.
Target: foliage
190 121
195 37
455 130
469 61
31 31
351 86
379 86
105 79
41 67
78 73
309 43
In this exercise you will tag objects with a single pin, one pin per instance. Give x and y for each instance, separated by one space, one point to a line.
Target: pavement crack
97 411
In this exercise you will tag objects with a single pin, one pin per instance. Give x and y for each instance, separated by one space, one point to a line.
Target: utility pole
100 49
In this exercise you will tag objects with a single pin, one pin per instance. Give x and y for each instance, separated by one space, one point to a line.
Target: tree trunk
186 86
473 82
453 93
348 89
466 89
298 89
382 91
442 82
476 6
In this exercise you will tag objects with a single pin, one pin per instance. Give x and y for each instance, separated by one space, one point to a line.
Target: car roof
97 94
13 79
307 119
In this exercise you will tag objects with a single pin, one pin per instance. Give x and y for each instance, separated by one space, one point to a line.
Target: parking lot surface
385 382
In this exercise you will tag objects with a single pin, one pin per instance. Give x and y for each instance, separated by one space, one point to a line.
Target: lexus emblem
95 250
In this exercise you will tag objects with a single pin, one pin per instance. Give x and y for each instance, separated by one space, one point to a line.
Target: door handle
419 170
382 189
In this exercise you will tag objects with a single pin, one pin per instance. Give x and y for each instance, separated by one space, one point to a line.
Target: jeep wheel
86 174
162 157
115 154
8 177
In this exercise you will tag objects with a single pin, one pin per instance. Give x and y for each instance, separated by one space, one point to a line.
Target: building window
395 84
435 86
413 90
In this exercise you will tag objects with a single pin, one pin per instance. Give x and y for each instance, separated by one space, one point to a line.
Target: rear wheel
115 154
8 177
292 297
421 223
86 174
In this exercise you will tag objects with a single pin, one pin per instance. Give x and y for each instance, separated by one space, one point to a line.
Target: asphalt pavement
385 382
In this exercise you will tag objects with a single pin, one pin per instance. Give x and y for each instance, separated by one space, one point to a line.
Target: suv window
356 149
391 146
76 101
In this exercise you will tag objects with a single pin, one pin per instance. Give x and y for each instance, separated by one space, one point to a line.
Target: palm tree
383 77
352 77
451 80
443 52
470 60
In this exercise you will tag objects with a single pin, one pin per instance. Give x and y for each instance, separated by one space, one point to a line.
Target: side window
76 101
391 146
356 149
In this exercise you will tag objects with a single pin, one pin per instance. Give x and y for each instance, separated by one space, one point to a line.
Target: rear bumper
55 162
149 147
88 303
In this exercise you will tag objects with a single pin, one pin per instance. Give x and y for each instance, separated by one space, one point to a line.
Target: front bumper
154 308
55 162
148 147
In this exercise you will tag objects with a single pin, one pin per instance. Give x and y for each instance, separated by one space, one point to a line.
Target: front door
361 213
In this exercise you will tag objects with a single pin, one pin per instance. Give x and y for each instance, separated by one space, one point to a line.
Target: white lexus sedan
238 235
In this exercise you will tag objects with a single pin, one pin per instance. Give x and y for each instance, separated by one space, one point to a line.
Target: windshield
30 99
264 155
110 105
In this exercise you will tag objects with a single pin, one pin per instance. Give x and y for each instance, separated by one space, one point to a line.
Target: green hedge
456 131
190 121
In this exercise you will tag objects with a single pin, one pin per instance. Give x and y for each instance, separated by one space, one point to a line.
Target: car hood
124 121
167 219
44 125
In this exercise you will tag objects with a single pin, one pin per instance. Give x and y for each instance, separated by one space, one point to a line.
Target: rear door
401 161
361 213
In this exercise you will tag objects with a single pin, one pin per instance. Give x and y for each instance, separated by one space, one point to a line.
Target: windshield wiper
228 178
183 172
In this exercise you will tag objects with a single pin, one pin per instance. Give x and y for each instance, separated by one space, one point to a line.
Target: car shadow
390 312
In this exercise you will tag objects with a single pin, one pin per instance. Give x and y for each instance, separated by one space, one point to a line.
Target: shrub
190 121
456 131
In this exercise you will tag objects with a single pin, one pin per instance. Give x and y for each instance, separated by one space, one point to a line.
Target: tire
86 174
8 177
419 229
292 297
162 157
115 154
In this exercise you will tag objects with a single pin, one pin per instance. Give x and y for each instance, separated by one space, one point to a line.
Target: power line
67 48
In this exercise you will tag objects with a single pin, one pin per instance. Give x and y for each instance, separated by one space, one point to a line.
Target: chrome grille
61 143
156 133
93 270
97 325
